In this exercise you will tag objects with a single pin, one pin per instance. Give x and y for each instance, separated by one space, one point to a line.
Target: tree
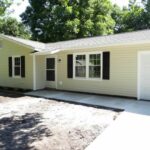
146 15
11 26
130 18
68 19
4 4
133 17
117 15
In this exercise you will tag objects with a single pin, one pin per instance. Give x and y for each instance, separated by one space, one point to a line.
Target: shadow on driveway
19 132
11 94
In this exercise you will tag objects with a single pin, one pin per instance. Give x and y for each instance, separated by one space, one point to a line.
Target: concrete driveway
129 105
130 131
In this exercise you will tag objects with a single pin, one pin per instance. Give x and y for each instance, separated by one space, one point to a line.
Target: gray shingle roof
99 41
33 44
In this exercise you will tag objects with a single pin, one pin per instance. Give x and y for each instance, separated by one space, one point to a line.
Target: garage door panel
144 72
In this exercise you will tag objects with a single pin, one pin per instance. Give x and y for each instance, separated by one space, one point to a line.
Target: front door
51 72
144 76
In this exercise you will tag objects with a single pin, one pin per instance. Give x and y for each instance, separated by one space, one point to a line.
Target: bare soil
40 124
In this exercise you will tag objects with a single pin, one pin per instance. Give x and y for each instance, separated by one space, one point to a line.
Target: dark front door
50 69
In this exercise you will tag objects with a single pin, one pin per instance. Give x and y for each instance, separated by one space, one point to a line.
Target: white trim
102 65
34 72
50 52
74 66
138 75
74 59
55 51
138 72
56 72
87 66
13 66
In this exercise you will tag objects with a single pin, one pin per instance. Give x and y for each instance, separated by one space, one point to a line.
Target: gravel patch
41 124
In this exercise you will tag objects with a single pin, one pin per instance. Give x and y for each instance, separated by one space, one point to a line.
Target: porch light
59 60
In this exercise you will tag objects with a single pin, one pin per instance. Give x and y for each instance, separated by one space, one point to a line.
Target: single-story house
113 65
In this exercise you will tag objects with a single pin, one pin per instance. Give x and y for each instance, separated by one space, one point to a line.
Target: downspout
34 72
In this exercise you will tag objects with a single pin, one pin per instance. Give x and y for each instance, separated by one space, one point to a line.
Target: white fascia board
46 52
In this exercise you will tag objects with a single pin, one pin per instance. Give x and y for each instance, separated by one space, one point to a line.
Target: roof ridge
84 38
98 36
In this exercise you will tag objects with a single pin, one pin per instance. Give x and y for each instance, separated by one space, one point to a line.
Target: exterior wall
41 72
123 72
11 49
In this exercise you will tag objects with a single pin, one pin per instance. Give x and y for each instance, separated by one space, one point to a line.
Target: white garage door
144 76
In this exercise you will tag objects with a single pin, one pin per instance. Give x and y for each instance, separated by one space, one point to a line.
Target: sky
19 6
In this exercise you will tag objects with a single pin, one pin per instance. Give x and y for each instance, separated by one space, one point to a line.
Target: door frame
55 57
138 72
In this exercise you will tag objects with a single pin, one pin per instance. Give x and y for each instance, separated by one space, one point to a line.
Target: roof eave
19 43
47 52
89 47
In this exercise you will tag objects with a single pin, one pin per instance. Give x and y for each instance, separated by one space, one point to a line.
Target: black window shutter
23 66
70 66
10 66
106 65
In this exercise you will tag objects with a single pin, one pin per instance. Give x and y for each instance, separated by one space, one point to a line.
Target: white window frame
13 67
74 65
87 54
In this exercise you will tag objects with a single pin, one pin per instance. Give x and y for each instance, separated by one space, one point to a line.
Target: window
50 69
94 65
17 66
88 65
80 66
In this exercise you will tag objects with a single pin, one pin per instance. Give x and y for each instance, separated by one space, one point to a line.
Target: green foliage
10 26
130 18
146 15
117 15
133 17
68 19
4 4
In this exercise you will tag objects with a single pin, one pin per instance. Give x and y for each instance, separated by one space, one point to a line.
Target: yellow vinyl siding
12 49
40 72
123 72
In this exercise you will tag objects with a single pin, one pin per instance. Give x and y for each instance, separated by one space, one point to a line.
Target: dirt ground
40 124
